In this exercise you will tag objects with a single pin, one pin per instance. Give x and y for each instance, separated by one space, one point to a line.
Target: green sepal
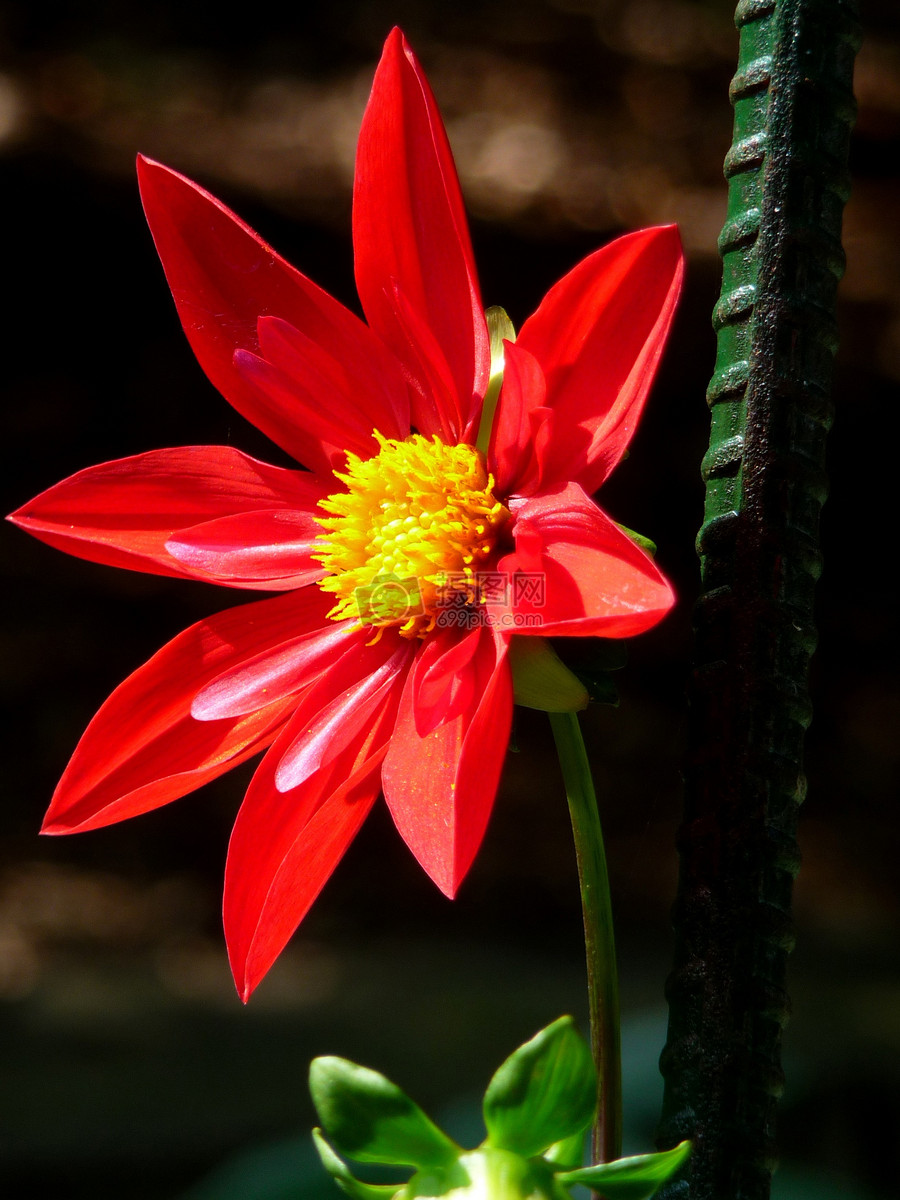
541 679
630 1178
370 1119
568 1153
344 1177
545 1092
500 329
639 540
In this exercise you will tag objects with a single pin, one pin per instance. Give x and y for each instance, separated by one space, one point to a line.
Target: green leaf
545 1092
344 1177
568 1153
630 1178
541 679
372 1120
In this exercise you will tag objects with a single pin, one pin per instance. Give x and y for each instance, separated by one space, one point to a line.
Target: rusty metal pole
759 550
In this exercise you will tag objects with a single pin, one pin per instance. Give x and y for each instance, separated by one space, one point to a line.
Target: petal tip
146 166
670 237
244 985
57 826
446 876
396 43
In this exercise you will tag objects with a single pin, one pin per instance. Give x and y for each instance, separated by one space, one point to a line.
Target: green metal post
765 484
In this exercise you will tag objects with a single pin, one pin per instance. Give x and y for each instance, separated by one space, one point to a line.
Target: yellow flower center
409 536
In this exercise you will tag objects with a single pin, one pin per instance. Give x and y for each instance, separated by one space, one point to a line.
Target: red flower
383 663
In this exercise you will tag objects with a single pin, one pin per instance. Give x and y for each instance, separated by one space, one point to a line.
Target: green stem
599 942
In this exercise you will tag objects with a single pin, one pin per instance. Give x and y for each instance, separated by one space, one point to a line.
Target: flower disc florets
416 524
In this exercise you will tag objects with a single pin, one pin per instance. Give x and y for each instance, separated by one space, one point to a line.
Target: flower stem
599 942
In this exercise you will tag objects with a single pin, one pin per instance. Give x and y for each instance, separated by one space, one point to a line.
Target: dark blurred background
129 1067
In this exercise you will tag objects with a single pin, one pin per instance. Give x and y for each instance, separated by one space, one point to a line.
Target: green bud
486 1174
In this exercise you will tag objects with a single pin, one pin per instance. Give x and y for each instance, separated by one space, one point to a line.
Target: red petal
280 670
589 579
143 748
520 433
411 237
442 684
441 787
598 335
270 548
285 845
336 709
434 406
275 395
123 513
224 277
293 373
331 382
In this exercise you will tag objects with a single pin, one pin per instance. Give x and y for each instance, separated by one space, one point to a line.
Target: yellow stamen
416 524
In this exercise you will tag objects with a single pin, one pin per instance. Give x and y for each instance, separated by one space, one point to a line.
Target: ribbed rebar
759 549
